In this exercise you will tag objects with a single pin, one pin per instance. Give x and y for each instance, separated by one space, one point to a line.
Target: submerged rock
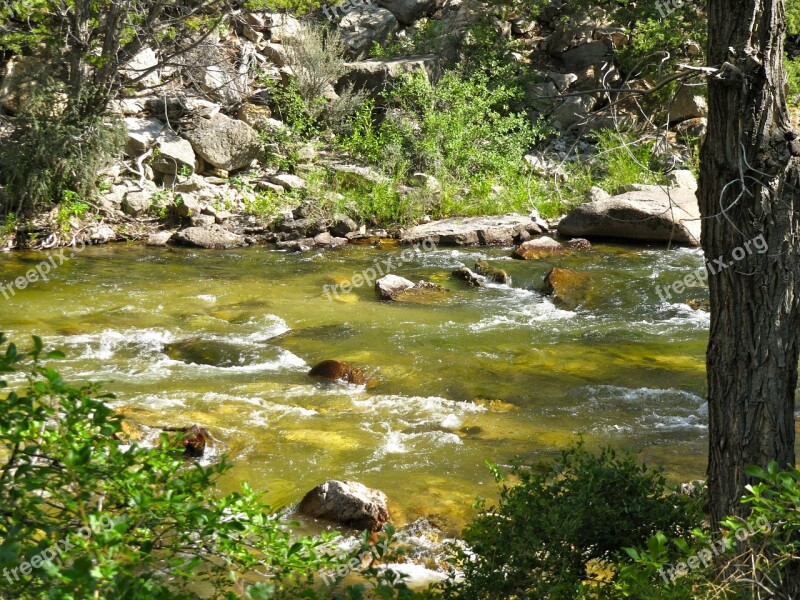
568 288
347 502
497 275
200 351
469 276
334 370
194 439
423 292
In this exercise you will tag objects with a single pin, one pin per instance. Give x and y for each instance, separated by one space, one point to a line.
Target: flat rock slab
472 231
649 215
213 237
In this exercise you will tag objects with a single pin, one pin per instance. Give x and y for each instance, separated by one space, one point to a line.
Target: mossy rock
569 289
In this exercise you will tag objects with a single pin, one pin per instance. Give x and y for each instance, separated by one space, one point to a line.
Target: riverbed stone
470 231
389 286
469 276
160 238
494 274
348 503
649 215
212 237
568 288
333 370
538 248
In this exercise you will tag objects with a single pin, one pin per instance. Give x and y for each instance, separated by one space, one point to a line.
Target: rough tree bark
749 187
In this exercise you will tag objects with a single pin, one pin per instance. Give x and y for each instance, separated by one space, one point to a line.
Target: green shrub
623 159
54 150
564 519
144 522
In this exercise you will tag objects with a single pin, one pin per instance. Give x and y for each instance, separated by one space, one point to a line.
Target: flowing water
487 374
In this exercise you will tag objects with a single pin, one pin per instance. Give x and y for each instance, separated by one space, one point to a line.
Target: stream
487 374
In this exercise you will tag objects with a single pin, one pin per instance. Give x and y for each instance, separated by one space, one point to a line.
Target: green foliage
625 159
70 206
424 37
459 129
133 514
564 519
54 151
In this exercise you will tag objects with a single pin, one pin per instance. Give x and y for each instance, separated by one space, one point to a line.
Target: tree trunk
749 187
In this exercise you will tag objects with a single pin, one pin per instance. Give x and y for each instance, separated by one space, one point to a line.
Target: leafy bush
566 519
143 522
54 150
624 159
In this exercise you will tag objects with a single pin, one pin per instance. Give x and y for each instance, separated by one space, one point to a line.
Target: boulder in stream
497 275
569 289
469 276
538 248
347 502
389 286
334 370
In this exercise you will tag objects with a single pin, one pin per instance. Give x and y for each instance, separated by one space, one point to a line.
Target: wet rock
201 351
568 288
466 231
704 305
654 214
347 502
196 441
467 275
213 237
193 439
339 371
579 244
497 275
538 248
391 285
423 292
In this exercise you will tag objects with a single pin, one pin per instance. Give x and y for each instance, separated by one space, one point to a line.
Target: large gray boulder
174 155
408 11
224 142
650 215
363 26
347 502
469 231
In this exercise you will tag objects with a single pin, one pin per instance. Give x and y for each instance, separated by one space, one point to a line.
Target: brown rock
568 288
347 502
497 275
538 248
338 371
